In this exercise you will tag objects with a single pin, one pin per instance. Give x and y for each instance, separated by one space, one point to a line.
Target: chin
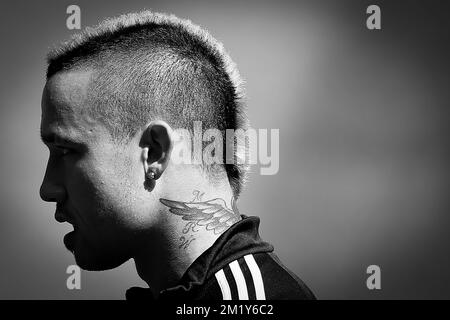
97 263
89 260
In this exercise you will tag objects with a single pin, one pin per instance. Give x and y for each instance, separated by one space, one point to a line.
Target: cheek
88 185
106 191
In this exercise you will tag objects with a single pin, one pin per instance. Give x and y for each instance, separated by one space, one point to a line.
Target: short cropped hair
151 65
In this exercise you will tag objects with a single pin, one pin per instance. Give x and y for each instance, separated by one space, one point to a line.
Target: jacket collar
239 240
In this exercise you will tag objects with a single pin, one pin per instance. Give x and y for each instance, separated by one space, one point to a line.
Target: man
113 97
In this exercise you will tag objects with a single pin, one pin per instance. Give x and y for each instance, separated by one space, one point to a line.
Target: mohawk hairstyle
150 65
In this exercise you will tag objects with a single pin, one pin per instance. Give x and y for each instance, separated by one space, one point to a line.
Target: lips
69 239
61 216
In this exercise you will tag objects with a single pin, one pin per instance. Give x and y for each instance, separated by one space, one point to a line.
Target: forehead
65 106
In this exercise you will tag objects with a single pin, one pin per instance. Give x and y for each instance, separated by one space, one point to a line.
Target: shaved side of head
155 66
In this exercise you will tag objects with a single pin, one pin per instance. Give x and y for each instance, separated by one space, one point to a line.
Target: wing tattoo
212 214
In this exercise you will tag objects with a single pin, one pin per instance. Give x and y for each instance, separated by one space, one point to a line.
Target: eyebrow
49 138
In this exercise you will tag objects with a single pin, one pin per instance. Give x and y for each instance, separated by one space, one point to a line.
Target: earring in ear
151 175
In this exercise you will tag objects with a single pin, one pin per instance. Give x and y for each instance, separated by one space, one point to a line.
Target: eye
65 151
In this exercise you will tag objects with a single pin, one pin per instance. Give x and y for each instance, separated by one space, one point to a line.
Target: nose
51 190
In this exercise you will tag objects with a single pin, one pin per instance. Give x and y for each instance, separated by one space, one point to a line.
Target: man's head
113 95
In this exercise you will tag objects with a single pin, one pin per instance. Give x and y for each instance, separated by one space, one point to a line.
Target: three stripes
247 280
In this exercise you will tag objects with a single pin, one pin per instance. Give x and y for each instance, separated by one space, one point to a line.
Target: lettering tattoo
185 242
213 214
198 195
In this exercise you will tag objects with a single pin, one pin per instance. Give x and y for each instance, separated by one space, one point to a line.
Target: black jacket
238 266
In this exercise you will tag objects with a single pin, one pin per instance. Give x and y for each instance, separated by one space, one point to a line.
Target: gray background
364 142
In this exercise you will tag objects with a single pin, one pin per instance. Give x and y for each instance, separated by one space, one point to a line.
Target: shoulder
258 276
282 282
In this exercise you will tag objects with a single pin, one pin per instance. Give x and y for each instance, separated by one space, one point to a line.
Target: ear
156 143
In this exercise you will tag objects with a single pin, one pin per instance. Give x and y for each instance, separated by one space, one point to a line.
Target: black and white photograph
222 151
